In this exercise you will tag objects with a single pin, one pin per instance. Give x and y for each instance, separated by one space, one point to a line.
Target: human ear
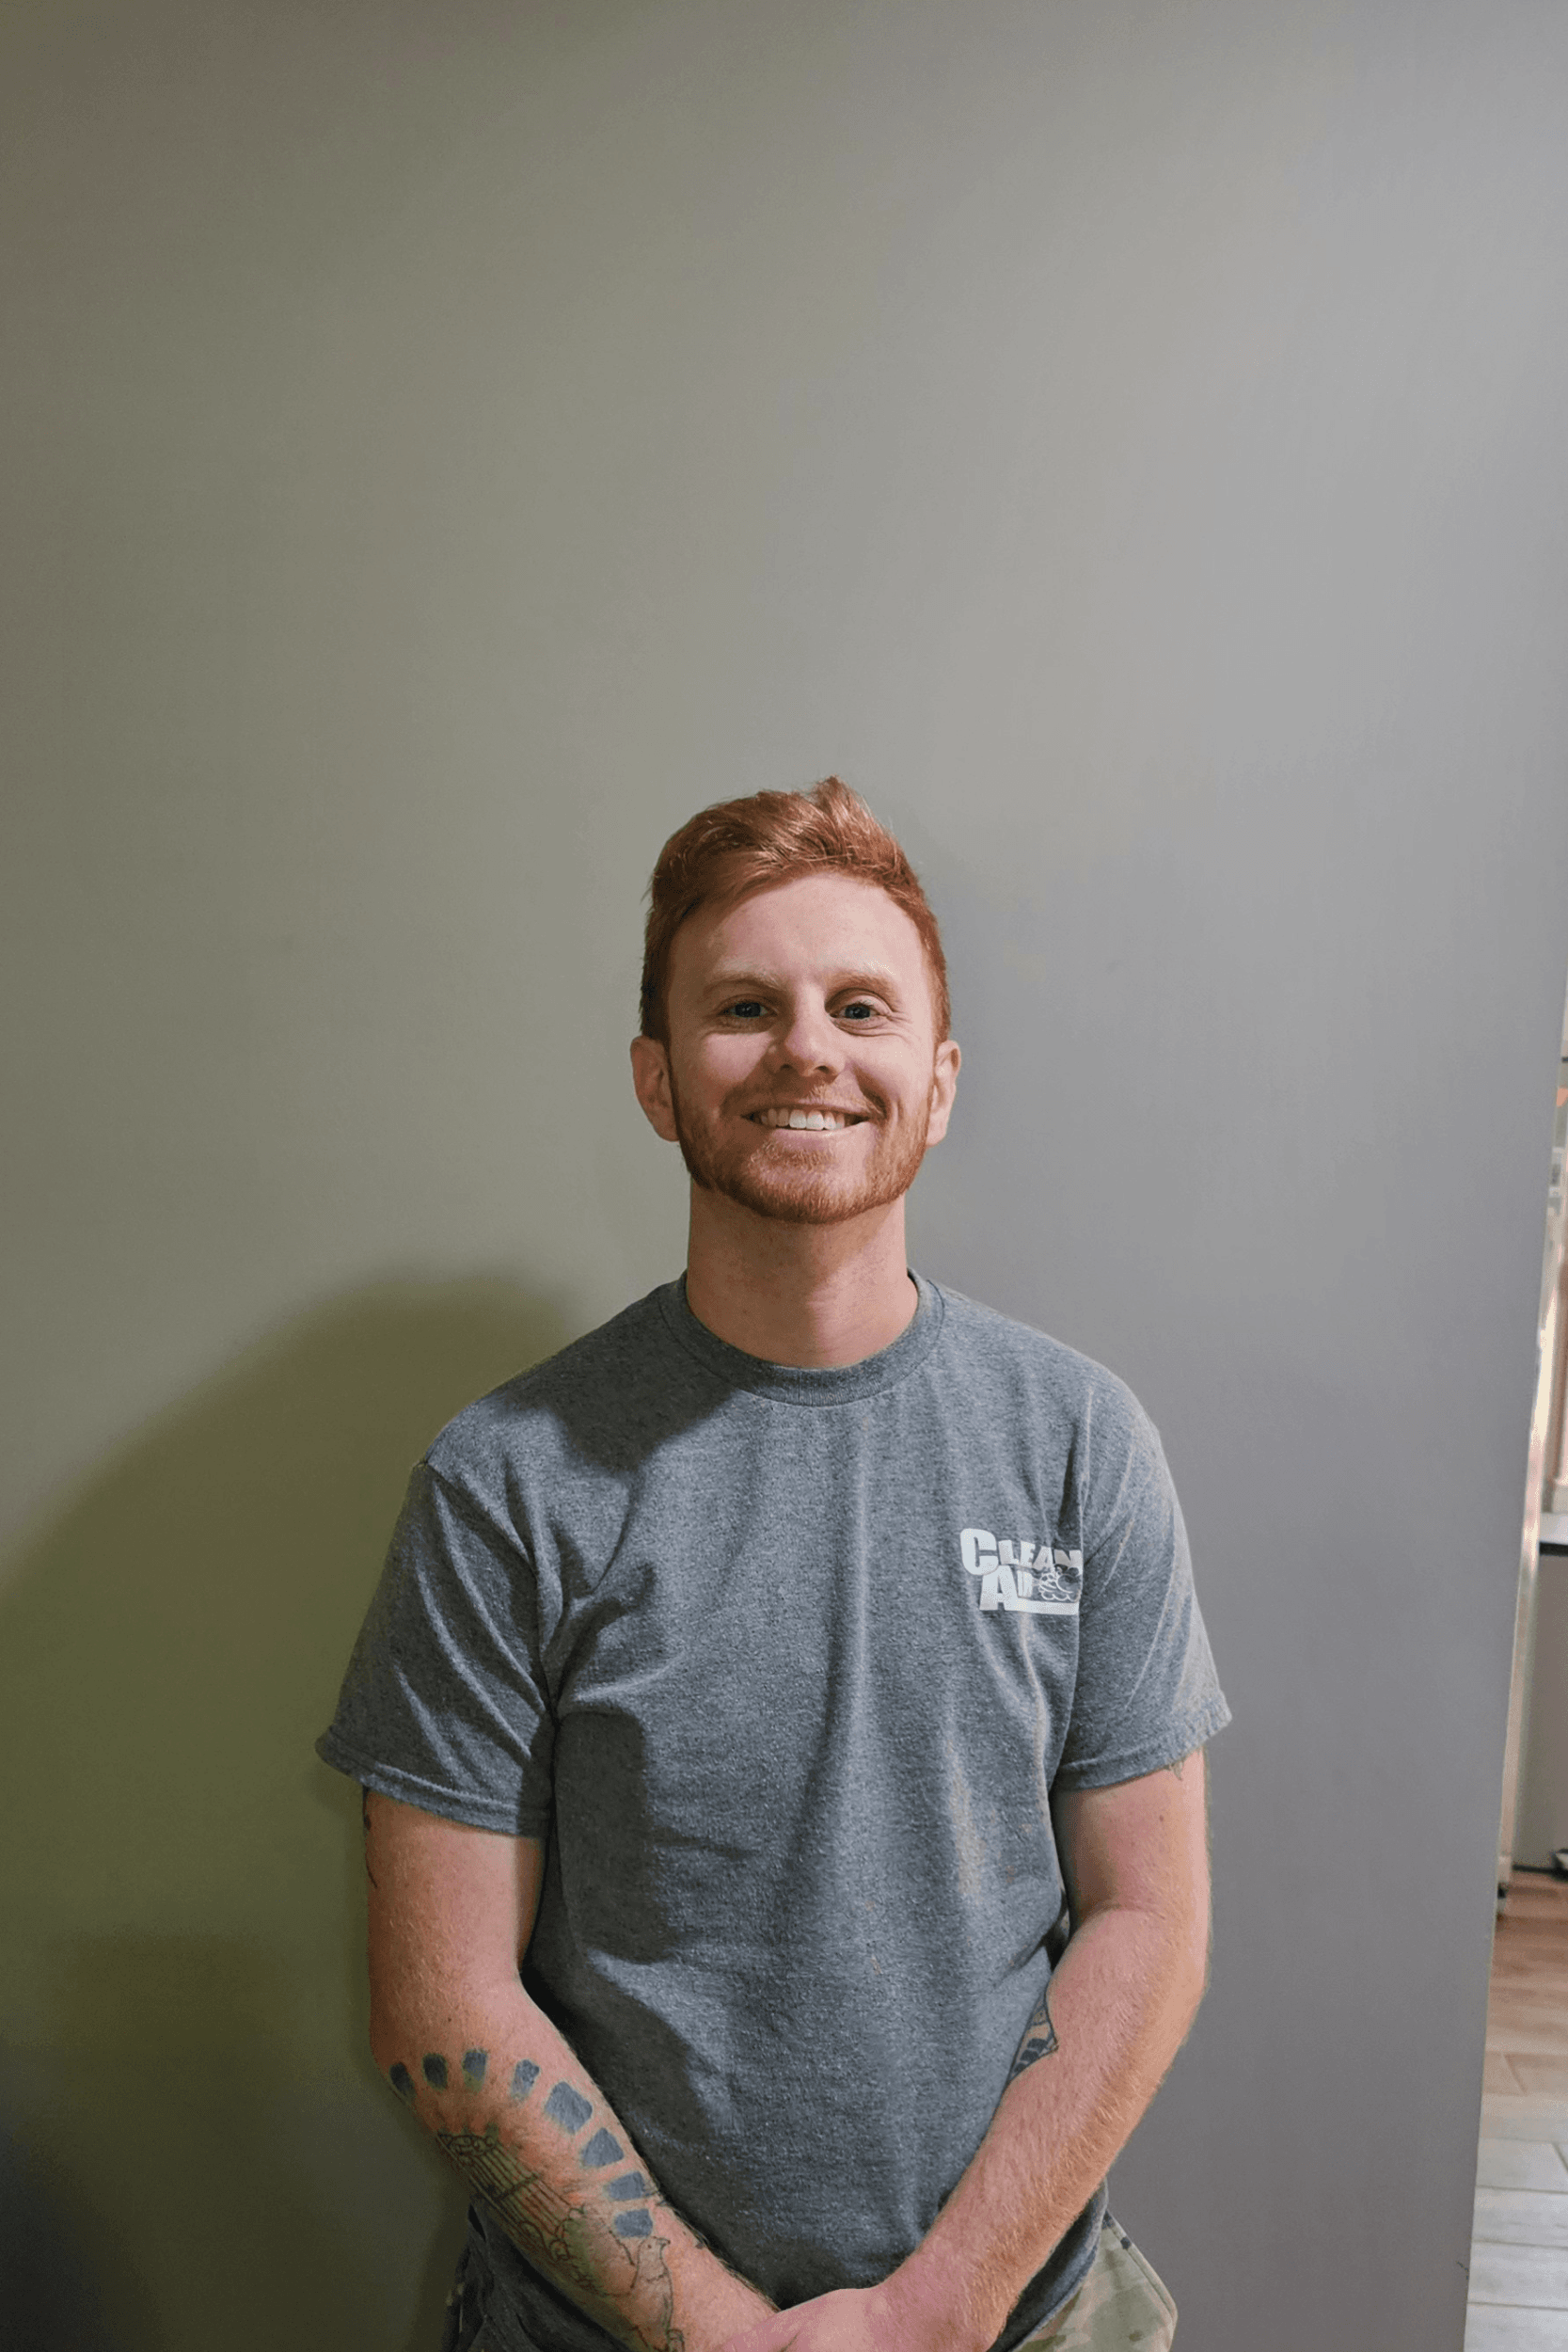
945 1080
650 1075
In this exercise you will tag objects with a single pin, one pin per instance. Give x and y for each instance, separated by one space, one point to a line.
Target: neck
807 1294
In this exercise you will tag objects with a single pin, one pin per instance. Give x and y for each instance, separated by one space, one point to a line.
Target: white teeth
816 1122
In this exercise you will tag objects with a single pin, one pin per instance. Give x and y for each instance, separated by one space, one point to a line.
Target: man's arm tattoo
598 2241
1040 2038
365 1825
1176 1768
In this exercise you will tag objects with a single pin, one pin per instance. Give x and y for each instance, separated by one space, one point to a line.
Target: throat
807 1294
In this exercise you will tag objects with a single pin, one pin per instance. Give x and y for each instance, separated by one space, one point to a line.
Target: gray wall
447 444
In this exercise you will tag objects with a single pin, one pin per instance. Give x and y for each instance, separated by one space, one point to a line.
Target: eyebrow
731 979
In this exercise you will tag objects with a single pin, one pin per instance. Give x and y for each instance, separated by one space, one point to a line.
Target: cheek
900 1080
721 1064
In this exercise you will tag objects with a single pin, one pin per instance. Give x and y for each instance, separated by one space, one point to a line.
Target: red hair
728 851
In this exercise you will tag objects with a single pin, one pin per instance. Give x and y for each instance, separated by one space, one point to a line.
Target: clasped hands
883 2318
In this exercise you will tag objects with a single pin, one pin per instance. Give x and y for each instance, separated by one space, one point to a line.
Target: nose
808 1040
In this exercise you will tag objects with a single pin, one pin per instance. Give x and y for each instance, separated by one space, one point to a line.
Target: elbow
1190 1968
396 2036
1175 1967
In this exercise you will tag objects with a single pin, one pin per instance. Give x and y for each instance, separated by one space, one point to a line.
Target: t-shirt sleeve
444 1703
1146 1692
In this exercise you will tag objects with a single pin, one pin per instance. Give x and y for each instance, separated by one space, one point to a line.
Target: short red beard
784 1184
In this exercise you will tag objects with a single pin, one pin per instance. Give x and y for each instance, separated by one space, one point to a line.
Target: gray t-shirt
785 1665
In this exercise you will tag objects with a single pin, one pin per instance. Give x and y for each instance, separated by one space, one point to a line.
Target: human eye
744 1008
860 1010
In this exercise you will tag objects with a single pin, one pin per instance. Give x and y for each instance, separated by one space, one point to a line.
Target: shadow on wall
193 2143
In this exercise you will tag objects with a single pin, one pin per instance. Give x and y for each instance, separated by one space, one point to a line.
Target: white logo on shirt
1034 1578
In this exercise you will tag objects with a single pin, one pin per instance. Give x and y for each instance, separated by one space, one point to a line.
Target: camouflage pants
1122 2302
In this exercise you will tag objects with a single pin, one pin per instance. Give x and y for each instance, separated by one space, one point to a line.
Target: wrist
711 2304
934 2303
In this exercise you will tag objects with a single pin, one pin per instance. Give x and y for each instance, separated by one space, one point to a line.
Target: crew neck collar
808 1384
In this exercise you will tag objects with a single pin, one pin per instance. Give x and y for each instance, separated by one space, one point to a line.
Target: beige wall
447 444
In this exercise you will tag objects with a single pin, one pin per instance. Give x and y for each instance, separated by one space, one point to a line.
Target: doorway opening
1518 2277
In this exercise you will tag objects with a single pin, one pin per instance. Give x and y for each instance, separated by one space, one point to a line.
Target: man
779 1718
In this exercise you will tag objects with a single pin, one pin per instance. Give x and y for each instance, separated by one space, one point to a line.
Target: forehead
812 927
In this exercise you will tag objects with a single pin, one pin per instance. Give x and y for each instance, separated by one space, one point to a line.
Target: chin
797 1194
803 1204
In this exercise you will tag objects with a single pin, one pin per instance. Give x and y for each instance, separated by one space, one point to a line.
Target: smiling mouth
812 1121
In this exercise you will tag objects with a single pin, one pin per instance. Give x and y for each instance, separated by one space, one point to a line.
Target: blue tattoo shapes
475 2066
568 2107
631 2192
564 2106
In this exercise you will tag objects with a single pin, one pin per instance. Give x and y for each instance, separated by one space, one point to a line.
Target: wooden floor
1519 2258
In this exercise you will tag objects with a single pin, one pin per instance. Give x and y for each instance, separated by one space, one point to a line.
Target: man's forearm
1114 2016
504 2096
